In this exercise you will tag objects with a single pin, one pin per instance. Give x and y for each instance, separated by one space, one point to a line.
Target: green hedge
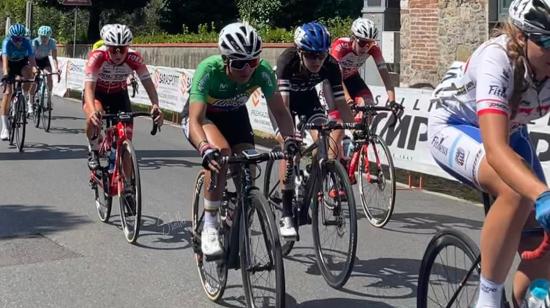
338 27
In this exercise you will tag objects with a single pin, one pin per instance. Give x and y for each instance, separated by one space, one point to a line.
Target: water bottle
347 146
537 295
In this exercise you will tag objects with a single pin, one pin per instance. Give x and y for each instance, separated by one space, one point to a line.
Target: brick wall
434 33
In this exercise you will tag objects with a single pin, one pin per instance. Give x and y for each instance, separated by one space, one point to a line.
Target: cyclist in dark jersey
299 70
215 119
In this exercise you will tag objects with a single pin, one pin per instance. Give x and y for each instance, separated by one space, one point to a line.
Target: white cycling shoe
210 242
4 135
286 228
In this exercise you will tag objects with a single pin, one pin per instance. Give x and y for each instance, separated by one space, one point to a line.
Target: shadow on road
155 159
425 223
42 151
157 234
36 219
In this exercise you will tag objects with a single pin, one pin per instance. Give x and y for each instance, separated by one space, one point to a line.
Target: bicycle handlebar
241 159
331 125
129 115
538 252
371 109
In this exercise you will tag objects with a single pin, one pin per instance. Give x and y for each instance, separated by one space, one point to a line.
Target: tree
301 11
15 9
260 13
189 14
94 11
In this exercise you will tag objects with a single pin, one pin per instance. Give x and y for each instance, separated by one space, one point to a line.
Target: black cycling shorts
113 103
234 125
357 87
43 63
16 67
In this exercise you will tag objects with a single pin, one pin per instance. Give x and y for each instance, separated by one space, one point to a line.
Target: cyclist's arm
151 91
390 89
335 93
197 116
89 94
493 109
5 63
54 58
280 111
30 52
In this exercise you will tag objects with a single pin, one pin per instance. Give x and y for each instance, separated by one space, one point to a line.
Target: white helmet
240 41
531 16
104 30
364 29
116 35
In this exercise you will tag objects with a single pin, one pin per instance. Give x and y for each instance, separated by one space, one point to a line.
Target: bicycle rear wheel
46 108
213 274
261 258
129 192
103 201
376 175
272 192
334 224
449 272
20 122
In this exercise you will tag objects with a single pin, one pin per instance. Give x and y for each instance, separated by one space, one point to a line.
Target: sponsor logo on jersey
460 156
437 144
497 90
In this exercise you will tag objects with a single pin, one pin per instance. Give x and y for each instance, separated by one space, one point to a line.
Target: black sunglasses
314 55
240 64
542 40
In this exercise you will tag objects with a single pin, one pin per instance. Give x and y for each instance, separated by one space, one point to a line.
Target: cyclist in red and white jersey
479 135
351 53
105 84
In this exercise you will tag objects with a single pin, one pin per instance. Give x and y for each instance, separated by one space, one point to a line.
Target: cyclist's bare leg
216 139
529 270
49 82
501 233
6 99
26 72
335 142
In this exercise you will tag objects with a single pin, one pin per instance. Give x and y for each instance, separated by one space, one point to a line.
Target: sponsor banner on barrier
60 88
75 74
258 112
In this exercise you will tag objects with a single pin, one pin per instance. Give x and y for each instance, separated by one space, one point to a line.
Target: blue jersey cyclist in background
43 46
17 60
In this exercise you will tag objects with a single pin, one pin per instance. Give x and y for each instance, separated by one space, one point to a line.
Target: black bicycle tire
46 108
391 169
22 119
197 195
444 238
108 199
287 246
258 203
12 115
37 108
340 280
131 237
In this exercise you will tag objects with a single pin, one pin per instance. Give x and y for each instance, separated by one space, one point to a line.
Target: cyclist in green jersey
215 119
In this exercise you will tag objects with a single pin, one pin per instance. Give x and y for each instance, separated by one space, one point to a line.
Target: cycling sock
4 121
490 294
287 202
211 213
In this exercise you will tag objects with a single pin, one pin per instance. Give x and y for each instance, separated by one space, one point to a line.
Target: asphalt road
54 252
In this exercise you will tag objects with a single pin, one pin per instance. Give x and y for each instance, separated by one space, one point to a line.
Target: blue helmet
45 31
17 30
312 37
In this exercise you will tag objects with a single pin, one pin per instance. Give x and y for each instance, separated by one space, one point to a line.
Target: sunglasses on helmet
240 64
364 43
118 49
314 55
542 40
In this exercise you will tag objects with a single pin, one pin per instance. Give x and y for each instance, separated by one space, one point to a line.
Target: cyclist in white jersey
478 134
43 46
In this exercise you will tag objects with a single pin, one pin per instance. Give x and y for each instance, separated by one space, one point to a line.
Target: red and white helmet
364 28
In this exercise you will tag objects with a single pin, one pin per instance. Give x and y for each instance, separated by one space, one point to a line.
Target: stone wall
434 33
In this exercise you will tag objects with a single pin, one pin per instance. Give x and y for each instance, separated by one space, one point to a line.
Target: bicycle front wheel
449 272
261 258
103 201
376 182
46 108
37 107
334 224
20 122
272 192
213 274
130 191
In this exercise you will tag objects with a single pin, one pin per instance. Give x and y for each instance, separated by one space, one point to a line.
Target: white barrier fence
407 140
